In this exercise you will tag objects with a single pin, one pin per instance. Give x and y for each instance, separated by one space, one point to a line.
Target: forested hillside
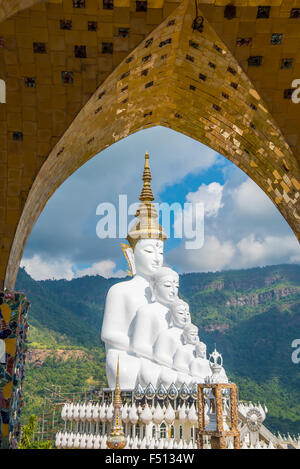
252 315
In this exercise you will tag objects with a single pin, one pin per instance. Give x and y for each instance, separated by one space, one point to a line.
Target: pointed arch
168 80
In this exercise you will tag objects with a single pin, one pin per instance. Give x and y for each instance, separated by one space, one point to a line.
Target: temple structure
173 396
77 76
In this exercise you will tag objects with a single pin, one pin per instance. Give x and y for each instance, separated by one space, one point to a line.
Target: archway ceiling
177 77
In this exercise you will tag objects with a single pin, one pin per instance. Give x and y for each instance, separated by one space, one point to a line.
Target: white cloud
249 252
41 269
210 195
251 200
213 256
104 268
249 231
252 251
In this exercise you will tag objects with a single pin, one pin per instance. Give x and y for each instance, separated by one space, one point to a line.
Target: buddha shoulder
120 289
147 309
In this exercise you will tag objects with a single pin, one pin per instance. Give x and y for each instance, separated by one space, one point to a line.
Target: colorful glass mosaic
141 6
276 39
80 52
108 4
255 60
78 3
39 47
30 82
263 12
230 12
66 24
92 25
287 94
14 309
18 136
287 63
295 13
123 32
107 47
244 41
67 77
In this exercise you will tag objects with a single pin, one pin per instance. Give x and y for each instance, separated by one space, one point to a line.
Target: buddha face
191 335
181 315
148 256
166 290
200 350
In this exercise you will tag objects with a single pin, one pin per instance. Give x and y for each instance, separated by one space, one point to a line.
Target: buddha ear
169 319
153 295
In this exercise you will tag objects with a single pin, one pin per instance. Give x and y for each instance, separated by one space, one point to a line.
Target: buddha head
180 314
148 256
190 334
200 349
146 236
164 285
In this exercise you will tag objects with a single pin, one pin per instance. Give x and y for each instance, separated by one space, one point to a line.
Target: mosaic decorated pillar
14 308
215 394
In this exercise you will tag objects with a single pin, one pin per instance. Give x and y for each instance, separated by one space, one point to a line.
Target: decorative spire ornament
147 225
117 439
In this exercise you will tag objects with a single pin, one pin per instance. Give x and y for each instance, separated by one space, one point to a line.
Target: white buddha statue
145 256
199 365
169 340
153 318
185 354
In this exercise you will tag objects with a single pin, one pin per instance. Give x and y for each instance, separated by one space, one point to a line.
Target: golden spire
147 225
117 394
147 194
116 438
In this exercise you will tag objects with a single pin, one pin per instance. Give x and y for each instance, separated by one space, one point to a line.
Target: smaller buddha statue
185 354
151 319
199 365
170 340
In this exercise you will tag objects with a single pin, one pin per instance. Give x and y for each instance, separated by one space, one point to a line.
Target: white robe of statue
185 354
122 302
151 320
199 365
169 341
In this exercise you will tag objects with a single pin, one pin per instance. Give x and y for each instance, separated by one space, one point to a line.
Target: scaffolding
49 421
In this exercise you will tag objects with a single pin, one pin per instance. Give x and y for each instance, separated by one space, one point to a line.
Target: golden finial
147 194
147 225
117 394
116 438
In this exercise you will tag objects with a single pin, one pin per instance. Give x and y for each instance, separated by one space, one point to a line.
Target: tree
27 435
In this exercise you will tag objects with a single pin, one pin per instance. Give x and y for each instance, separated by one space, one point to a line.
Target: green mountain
252 315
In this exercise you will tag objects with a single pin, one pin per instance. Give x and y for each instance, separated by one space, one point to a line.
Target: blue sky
242 227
